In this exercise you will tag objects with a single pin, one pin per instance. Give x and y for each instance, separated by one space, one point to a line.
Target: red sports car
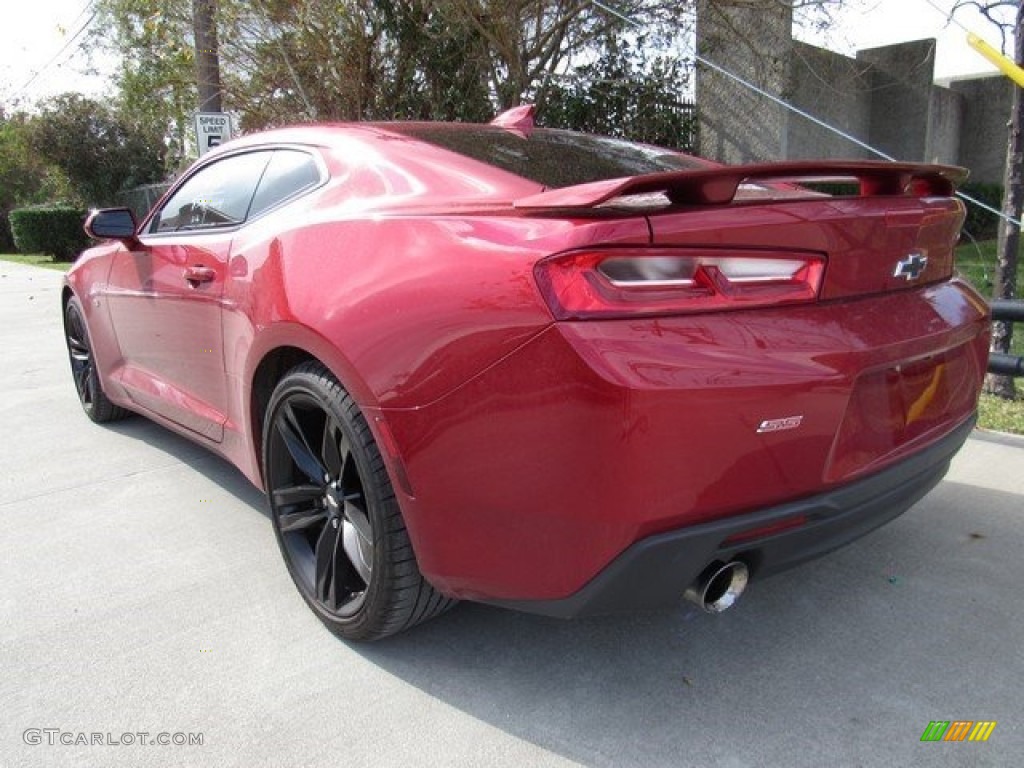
536 368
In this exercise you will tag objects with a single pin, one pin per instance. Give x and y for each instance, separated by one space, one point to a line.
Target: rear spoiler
718 186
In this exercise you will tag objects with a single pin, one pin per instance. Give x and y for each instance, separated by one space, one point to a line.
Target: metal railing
999 363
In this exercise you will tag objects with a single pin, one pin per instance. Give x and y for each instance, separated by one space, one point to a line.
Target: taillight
663 281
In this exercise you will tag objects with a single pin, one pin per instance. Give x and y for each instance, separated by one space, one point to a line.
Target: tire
335 514
83 367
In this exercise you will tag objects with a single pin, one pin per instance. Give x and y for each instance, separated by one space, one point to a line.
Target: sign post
212 130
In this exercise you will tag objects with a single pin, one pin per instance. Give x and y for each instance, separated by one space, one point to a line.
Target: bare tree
1005 284
204 22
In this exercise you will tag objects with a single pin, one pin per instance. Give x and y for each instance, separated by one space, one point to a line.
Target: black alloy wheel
83 367
335 514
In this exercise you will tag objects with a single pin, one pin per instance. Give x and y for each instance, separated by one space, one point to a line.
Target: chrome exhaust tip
719 586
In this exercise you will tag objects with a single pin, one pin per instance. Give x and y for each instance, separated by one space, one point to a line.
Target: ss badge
778 425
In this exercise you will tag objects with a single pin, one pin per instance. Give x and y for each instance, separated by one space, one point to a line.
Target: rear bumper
528 481
654 572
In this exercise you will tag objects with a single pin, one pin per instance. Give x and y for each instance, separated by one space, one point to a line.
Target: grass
976 262
1002 415
37 260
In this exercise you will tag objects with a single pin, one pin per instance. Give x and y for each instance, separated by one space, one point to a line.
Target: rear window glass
288 173
551 157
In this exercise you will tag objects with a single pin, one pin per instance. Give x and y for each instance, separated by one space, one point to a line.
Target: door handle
199 274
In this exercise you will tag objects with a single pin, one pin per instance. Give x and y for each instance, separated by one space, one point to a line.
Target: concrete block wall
885 96
901 86
736 125
984 132
945 127
833 88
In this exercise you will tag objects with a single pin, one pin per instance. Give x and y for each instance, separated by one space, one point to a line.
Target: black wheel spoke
334 514
84 371
357 553
74 332
356 514
358 537
297 494
297 444
324 552
334 448
81 376
330 583
81 358
302 519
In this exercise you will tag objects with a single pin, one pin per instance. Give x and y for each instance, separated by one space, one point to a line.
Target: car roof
329 134
394 165
476 160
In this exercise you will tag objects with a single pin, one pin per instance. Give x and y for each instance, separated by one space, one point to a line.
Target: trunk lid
872 244
897 229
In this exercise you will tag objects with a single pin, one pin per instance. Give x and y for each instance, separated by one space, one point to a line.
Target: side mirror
112 224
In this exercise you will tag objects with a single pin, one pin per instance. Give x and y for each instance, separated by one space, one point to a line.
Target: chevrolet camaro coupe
534 368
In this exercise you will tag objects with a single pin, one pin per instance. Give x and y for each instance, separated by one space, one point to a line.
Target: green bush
51 229
6 239
980 224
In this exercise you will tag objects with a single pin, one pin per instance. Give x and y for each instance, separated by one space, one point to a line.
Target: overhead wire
71 40
950 18
995 57
796 110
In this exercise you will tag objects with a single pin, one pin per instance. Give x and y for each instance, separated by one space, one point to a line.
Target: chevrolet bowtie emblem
911 267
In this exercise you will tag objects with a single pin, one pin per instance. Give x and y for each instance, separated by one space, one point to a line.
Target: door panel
166 297
169 327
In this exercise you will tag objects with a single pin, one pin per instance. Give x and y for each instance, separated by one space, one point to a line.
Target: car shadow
847 658
216 469
851 654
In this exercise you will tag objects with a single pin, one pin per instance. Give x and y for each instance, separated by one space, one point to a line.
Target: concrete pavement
141 590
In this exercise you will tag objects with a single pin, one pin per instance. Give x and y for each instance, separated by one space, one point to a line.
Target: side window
217 196
289 173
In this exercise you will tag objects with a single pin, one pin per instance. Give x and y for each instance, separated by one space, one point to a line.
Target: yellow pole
1006 66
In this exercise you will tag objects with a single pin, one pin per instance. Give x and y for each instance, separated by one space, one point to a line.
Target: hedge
980 224
51 229
6 239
